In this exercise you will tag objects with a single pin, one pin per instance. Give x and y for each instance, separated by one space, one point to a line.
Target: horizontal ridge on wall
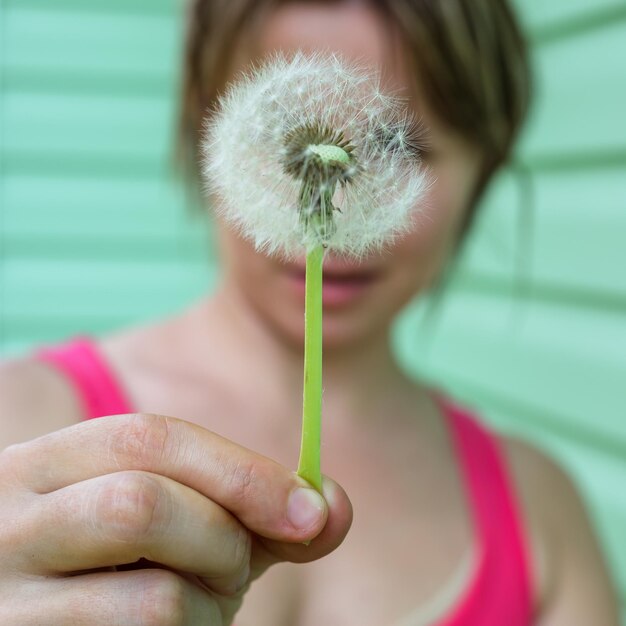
551 232
579 97
546 352
141 7
91 42
562 20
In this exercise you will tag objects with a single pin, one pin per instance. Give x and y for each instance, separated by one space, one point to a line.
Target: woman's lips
338 288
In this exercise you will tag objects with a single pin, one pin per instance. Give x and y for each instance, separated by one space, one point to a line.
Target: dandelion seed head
308 150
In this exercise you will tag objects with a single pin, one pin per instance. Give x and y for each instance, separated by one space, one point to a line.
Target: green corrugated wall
94 234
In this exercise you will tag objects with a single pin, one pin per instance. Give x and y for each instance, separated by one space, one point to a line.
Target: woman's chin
345 330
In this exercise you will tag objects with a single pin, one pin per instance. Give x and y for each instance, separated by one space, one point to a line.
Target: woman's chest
397 561
398 557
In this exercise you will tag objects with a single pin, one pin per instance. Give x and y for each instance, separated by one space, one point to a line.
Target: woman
146 519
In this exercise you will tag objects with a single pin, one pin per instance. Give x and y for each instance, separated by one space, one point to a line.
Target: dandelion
309 154
310 150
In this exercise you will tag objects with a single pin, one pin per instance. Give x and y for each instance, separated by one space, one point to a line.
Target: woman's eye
421 152
426 153
416 145
420 146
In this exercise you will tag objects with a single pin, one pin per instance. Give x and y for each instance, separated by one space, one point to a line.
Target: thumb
266 552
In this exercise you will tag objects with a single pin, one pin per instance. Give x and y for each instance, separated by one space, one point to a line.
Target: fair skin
231 364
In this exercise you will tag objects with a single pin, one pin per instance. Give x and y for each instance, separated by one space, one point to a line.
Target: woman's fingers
147 482
155 597
261 493
121 517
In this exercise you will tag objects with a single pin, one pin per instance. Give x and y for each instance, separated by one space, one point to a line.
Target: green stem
309 465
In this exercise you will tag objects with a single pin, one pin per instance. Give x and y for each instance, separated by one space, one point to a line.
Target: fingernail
305 508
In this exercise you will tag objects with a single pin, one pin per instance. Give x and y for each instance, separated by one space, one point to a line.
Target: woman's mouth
339 288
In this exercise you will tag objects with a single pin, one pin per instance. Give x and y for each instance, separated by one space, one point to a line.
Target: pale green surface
93 234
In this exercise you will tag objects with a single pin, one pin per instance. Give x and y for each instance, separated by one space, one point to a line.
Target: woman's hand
210 515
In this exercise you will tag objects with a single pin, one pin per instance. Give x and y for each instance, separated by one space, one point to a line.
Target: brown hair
469 56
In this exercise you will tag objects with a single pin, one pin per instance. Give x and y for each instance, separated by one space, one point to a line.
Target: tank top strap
99 391
501 591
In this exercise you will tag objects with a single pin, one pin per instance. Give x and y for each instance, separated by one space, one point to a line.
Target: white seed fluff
243 147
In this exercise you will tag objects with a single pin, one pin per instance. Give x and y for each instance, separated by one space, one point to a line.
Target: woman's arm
575 586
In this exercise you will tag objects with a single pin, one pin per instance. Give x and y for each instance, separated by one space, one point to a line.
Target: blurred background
95 232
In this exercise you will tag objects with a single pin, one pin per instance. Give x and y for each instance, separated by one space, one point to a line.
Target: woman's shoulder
543 496
35 399
570 572
533 474
38 395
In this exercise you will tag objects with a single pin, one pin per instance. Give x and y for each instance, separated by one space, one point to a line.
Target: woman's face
360 299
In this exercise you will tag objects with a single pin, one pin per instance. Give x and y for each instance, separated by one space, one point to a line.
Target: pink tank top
500 590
